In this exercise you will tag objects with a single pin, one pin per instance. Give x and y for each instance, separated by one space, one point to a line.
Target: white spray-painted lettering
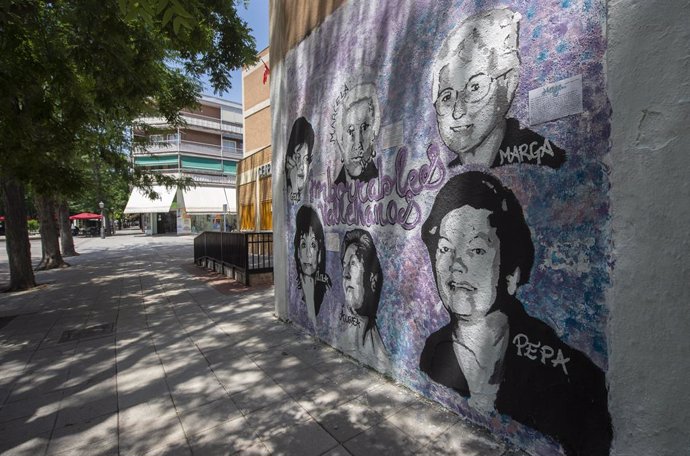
526 152
532 350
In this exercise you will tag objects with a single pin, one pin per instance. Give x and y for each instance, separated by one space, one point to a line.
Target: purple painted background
392 44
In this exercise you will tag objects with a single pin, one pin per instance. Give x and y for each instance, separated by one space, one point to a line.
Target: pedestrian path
134 351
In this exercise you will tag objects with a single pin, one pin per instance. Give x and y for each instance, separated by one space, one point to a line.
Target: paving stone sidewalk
134 351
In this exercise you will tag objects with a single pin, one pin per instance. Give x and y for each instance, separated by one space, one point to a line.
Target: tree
70 69
17 236
66 240
50 240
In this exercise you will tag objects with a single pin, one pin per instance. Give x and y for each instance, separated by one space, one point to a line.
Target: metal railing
250 253
208 177
182 146
195 120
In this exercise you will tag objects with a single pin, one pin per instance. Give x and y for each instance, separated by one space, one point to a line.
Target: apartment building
207 149
254 170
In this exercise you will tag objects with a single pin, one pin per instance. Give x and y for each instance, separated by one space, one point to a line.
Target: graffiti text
538 351
526 153
373 202
350 320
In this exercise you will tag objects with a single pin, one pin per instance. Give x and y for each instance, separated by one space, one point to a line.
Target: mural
362 282
476 74
357 121
444 240
298 157
492 351
310 261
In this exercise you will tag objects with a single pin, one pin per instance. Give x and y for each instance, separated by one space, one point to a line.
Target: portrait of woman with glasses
475 77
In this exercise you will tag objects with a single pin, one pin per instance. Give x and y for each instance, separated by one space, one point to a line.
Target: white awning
140 203
209 200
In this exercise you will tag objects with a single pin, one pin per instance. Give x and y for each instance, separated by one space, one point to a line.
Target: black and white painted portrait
310 259
475 77
356 125
298 158
492 351
362 281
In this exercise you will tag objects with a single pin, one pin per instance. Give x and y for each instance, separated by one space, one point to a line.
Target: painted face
353 279
309 254
357 141
299 171
470 103
467 262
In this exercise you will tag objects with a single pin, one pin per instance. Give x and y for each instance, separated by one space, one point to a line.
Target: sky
256 16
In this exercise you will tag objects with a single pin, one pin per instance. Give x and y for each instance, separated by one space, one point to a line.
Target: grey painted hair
354 94
365 250
495 30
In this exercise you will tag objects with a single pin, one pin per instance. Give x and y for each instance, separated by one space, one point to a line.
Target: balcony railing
210 178
198 176
195 120
211 150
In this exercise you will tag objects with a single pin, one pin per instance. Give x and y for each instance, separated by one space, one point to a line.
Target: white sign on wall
555 100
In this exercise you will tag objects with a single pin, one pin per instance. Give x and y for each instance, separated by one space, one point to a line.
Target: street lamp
101 205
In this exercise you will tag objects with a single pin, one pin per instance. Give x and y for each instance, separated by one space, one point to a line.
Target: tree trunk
45 205
66 239
17 237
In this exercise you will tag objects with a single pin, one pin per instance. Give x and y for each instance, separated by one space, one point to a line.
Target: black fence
248 253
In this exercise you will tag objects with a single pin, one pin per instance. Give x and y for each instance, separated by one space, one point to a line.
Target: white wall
649 329
278 120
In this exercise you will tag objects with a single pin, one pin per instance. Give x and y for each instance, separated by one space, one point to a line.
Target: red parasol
85 216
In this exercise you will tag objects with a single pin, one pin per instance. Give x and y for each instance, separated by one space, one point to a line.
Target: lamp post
101 205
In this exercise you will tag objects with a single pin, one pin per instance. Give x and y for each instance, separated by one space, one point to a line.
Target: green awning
156 160
230 167
201 163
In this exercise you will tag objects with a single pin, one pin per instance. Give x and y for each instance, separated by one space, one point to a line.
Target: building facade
207 149
254 171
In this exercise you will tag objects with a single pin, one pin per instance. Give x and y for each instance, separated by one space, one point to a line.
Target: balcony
200 177
192 147
196 120
210 178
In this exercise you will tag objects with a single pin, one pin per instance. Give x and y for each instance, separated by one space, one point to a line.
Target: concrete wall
649 88
292 20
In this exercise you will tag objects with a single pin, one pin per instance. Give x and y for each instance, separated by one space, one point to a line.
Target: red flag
267 71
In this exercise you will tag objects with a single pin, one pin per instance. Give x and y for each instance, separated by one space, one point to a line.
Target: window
165 139
247 217
266 220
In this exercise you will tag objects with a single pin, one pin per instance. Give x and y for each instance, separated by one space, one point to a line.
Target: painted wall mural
439 234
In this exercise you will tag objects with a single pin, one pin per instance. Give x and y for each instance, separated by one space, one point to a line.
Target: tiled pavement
172 362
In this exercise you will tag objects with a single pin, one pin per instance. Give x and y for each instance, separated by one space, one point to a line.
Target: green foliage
75 73
32 225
